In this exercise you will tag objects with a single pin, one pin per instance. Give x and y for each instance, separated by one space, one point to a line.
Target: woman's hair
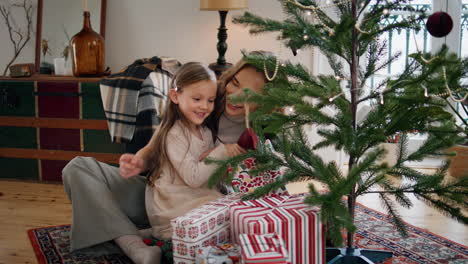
226 77
189 73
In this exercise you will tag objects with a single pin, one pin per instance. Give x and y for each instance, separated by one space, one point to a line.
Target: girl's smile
201 115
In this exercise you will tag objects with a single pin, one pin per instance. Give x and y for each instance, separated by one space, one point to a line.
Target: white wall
177 28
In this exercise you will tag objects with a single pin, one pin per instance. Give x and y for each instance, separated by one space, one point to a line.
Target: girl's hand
234 150
130 165
205 154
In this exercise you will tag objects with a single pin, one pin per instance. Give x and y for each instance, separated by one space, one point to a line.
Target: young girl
178 181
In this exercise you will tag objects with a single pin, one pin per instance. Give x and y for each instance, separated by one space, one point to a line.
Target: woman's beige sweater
176 193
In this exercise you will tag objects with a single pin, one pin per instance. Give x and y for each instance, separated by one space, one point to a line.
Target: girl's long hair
189 73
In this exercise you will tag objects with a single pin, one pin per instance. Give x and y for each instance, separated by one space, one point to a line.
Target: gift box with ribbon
268 248
296 223
219 254
204 226
244 182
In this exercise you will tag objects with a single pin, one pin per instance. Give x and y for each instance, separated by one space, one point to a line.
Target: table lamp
222 6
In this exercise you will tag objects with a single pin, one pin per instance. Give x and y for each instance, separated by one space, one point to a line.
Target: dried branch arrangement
19 37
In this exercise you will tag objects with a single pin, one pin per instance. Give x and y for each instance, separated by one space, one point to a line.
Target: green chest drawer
47 121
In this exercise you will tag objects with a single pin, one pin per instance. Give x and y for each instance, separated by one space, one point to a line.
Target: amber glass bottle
87 51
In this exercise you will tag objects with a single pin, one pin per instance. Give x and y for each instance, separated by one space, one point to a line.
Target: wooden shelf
46 154
51 78
53 123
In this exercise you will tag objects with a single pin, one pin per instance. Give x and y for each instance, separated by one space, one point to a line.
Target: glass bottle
87 51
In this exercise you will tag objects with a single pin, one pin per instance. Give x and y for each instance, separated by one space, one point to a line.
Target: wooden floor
26 205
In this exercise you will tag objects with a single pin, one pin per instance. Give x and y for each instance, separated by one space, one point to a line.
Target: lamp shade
222 5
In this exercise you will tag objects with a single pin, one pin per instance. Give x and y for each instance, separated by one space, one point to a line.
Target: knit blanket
133 99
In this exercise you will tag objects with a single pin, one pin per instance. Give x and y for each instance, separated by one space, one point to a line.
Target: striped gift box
207 225
295 222
268 248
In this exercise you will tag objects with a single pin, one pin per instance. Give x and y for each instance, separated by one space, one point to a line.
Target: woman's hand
234 150
130 165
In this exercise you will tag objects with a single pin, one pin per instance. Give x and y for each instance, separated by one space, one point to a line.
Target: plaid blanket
133 99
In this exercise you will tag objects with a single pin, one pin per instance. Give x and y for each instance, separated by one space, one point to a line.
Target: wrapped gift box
268 248
295 222
225 253
243 182
205 226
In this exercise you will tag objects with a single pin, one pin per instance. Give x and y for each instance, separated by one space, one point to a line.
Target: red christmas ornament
439 24
248 139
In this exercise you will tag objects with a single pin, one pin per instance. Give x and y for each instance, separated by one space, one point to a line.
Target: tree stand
356 255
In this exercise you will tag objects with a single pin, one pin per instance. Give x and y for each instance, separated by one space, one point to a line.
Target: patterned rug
51 244
375 231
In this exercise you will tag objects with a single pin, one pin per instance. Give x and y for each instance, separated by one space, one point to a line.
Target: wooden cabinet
45 121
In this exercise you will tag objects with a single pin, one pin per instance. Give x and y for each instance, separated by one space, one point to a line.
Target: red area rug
51 244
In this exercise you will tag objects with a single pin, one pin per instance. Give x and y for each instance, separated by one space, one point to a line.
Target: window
404 42
409 41
464 29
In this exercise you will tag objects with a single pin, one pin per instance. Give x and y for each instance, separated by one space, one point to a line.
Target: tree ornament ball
248 139
439 24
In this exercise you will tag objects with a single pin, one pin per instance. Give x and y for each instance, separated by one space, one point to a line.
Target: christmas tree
349 34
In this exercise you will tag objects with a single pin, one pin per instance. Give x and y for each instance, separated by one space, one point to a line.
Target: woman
231 118
108 207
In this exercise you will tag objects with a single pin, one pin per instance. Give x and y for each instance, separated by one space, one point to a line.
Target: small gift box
244 182
268 248
296 223
204 226
219 254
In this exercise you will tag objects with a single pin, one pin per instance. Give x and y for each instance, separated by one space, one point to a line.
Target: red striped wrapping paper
295 222
268 248
207 225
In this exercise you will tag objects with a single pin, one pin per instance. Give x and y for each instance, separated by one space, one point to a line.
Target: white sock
145 233
134 247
